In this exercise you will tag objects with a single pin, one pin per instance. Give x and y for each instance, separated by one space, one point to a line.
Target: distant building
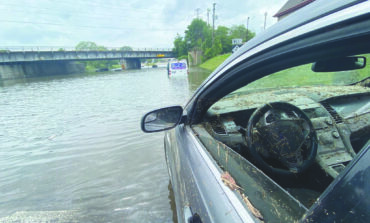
291 6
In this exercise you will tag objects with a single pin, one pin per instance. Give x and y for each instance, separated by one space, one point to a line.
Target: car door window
285 137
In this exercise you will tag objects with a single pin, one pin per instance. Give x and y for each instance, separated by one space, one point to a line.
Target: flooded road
72 149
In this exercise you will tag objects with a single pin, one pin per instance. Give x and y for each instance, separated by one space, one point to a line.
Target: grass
304 76
114 66
295 76
214 62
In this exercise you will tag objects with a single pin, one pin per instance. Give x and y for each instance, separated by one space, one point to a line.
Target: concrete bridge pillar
131 63
35 69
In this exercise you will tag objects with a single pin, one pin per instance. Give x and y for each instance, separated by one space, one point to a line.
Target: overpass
35 61
63 54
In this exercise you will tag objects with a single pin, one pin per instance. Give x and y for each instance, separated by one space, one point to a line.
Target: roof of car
313 11
291 6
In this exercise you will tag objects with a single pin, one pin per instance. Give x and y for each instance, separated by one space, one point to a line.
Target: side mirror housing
161 119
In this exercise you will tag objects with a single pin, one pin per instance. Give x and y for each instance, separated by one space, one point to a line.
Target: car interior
286 136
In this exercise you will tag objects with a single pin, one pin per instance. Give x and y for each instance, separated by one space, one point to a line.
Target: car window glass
290 126
304 76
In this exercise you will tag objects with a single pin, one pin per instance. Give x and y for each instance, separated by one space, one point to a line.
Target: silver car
280 131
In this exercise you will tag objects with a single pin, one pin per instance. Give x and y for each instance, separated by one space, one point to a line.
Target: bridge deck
33 56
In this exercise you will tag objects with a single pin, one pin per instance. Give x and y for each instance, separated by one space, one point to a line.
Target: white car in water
177 68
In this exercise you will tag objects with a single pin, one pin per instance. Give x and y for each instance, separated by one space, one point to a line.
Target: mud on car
280 131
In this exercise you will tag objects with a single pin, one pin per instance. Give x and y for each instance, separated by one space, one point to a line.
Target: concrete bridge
35 61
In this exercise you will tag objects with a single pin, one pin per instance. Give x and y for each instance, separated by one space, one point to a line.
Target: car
280 132
177 68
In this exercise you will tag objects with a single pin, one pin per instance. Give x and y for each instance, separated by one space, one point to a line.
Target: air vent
218 128
332 112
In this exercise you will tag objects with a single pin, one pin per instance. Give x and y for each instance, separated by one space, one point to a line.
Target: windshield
290 83
178 66
303 75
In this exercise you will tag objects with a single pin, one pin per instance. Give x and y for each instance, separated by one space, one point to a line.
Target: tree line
198 36
98 64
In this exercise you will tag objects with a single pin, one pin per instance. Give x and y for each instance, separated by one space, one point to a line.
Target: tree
197 32
86 45
180 48
215 50
251 35
240 32
198 35
91 46
126 48
222 33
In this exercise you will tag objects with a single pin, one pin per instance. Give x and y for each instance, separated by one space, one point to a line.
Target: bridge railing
67 48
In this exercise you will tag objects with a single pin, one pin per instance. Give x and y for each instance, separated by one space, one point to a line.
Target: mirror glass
161 119
339 64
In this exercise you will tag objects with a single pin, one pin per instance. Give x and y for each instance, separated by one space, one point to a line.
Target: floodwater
71 148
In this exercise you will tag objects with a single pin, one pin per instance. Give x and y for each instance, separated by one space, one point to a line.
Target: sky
116 23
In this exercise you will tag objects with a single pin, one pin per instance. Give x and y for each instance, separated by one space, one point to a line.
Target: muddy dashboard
339 115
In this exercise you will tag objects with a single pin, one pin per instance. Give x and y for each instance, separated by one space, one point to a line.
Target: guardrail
66 48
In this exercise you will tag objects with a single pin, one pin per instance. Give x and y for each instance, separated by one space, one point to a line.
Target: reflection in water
196 77
171 197
73 145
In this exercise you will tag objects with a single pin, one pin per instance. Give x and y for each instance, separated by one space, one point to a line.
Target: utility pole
213 23
208 10
197 10
247 29
264 27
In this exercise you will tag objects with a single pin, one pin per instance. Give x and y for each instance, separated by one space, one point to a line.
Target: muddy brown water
72 149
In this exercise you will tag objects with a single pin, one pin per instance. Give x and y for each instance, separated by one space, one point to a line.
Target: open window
285 137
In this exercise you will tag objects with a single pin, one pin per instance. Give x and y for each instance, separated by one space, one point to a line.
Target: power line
85 26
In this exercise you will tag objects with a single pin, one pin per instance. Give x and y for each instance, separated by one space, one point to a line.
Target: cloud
117 23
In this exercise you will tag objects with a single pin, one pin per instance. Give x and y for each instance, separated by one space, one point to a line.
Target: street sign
237 41
235 48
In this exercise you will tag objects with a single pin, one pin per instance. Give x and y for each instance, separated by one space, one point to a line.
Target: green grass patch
304 76
214 62
115 66
295 76
90 68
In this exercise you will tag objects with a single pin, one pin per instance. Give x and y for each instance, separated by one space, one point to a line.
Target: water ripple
74 143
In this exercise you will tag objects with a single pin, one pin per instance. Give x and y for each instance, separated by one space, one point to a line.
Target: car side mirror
161 119
339 64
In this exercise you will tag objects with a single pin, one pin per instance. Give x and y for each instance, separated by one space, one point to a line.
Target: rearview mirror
161 119
339 64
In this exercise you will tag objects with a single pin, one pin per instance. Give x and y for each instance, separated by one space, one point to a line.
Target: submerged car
177 68
280 132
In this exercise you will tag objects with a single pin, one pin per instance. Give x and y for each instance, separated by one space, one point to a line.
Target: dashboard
340 116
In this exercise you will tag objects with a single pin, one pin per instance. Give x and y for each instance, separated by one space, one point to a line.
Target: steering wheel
281 139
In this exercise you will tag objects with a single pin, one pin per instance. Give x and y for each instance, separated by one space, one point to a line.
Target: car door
196 180
347 198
